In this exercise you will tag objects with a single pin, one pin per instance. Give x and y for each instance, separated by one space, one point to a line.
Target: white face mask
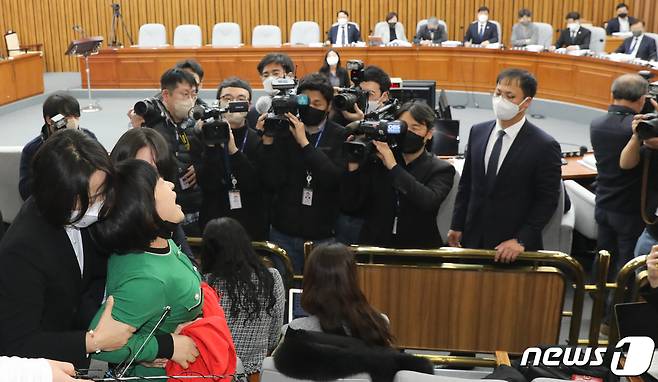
182 108
332 60
372 106
267 85
572 26
483 18
72 123
342 21
504 109
90 217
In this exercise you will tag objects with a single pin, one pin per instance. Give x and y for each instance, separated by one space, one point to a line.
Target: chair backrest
266 35
654 36
545 34
226 35
551 232
584 202
305 33
12 44
424 21
152 35
444 217
10 199
188 35
269 373
597 39
500 31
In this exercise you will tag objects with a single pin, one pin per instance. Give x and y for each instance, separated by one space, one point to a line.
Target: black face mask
312 116
623 15
391 23
412 143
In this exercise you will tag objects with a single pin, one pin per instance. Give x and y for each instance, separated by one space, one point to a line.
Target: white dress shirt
624 24
509 137
636 47
481 28
75 237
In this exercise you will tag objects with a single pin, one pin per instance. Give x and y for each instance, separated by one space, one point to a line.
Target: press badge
234 199
183 184
395 225
307 196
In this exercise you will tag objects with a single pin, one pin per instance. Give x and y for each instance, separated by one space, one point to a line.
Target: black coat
582 38
646 51
613 24
45 306
524 196
353 33
421 186
424 33
490 33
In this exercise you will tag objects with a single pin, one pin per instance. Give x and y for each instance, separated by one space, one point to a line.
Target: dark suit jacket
353 34
341 73
525 194
613 25
473 35
440 35
45 306
647 50
582 38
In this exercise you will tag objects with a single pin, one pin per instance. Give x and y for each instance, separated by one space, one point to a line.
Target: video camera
286 101
356 70
58 122
361 149
347 98
151 109
215 130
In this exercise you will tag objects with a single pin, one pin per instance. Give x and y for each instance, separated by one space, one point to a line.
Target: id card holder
307 196
395 225
234 199
183 184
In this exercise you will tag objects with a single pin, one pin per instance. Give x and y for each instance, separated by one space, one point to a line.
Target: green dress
142 284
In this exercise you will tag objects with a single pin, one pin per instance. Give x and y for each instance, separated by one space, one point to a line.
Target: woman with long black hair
332 68
252 295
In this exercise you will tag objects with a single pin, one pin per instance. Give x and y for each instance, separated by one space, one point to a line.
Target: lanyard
317 142
244 140
309 174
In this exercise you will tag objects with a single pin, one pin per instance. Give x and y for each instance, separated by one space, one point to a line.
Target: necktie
630 50
344 35
481 31
492 165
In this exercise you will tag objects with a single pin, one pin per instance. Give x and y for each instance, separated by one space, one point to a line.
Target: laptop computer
295 309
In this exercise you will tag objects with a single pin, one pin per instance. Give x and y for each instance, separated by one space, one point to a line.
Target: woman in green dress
147 272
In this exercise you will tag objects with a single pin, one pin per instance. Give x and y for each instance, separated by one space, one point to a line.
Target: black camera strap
645 185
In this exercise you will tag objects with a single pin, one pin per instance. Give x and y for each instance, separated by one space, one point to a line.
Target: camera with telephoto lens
652 95
347 98
356 70
58 122
151 109
215 130
648 128
286 101
361 149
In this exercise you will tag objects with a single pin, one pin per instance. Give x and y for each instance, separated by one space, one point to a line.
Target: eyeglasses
228 98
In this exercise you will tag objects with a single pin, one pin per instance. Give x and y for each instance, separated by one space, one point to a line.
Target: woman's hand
185 351
652 266
109 334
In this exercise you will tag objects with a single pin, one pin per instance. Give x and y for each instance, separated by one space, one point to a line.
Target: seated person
148 273
332 68
431 33
525 32
253 295
391 30
640 45
343 32
574 37
59 102
482 31
621 23
402 191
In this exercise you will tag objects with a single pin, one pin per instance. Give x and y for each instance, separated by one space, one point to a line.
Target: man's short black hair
376 74
621 5
61 170
132 221
573 15
174 76
638 21
60 102
234 82
192 65
277 58
342 11
526 81
319 82
525 12
420 111
483 8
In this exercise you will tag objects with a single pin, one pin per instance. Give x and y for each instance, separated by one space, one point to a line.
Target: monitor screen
295 309
416 89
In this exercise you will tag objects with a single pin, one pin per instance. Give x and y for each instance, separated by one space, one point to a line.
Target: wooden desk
612 43
21 77
581 80
576 171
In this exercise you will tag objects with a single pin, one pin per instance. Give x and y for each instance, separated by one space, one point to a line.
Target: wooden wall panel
50 22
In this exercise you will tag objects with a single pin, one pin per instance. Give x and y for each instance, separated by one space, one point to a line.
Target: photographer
303 171
270 67
643 152
377 83
178 96
59 103
232 188
402 192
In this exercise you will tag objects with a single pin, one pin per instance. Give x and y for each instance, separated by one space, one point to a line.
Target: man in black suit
574 37
510 183
621 23
640 45
431 33
482 31
343 32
